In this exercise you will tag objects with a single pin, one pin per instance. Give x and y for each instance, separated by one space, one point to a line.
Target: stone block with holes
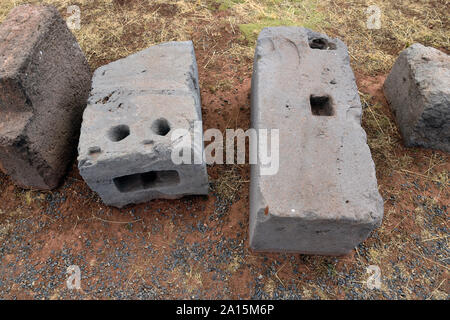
135 104
324 198
418 91
44 85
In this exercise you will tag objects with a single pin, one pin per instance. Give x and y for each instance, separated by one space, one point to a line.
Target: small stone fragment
418 91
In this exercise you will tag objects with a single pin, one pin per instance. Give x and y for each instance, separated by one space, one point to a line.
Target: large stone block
44 85
125 144
324 198
418 91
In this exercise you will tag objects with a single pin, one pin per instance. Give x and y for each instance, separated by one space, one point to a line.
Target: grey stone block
44 85
418 91
125 144
324 199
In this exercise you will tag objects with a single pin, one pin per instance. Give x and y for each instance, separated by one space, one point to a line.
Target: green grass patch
250 31
272 13
227 4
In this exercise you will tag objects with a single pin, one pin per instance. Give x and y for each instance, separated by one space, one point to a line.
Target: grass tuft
256 15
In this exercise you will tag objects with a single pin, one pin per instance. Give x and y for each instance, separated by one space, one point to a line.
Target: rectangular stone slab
44 85
324 198
125 144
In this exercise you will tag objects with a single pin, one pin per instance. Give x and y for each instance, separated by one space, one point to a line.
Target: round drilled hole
161 127
118 133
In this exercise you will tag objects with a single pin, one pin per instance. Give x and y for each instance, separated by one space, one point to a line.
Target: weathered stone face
44 85
135 104
324 198
418 91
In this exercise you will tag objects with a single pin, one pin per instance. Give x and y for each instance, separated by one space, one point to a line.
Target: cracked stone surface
418 91
44 85
324 198
135 104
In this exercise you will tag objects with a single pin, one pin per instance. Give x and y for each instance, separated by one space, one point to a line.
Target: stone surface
324 198
418 91
44 85
125 144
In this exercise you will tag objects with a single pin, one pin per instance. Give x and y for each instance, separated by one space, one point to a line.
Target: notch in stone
321 44
147 180
321 105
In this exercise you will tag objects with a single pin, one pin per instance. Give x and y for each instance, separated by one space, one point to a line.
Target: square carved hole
147 180
321 105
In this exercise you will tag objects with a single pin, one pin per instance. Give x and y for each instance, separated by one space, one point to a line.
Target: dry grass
372 51
228 184
402 24
383 138
112 29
